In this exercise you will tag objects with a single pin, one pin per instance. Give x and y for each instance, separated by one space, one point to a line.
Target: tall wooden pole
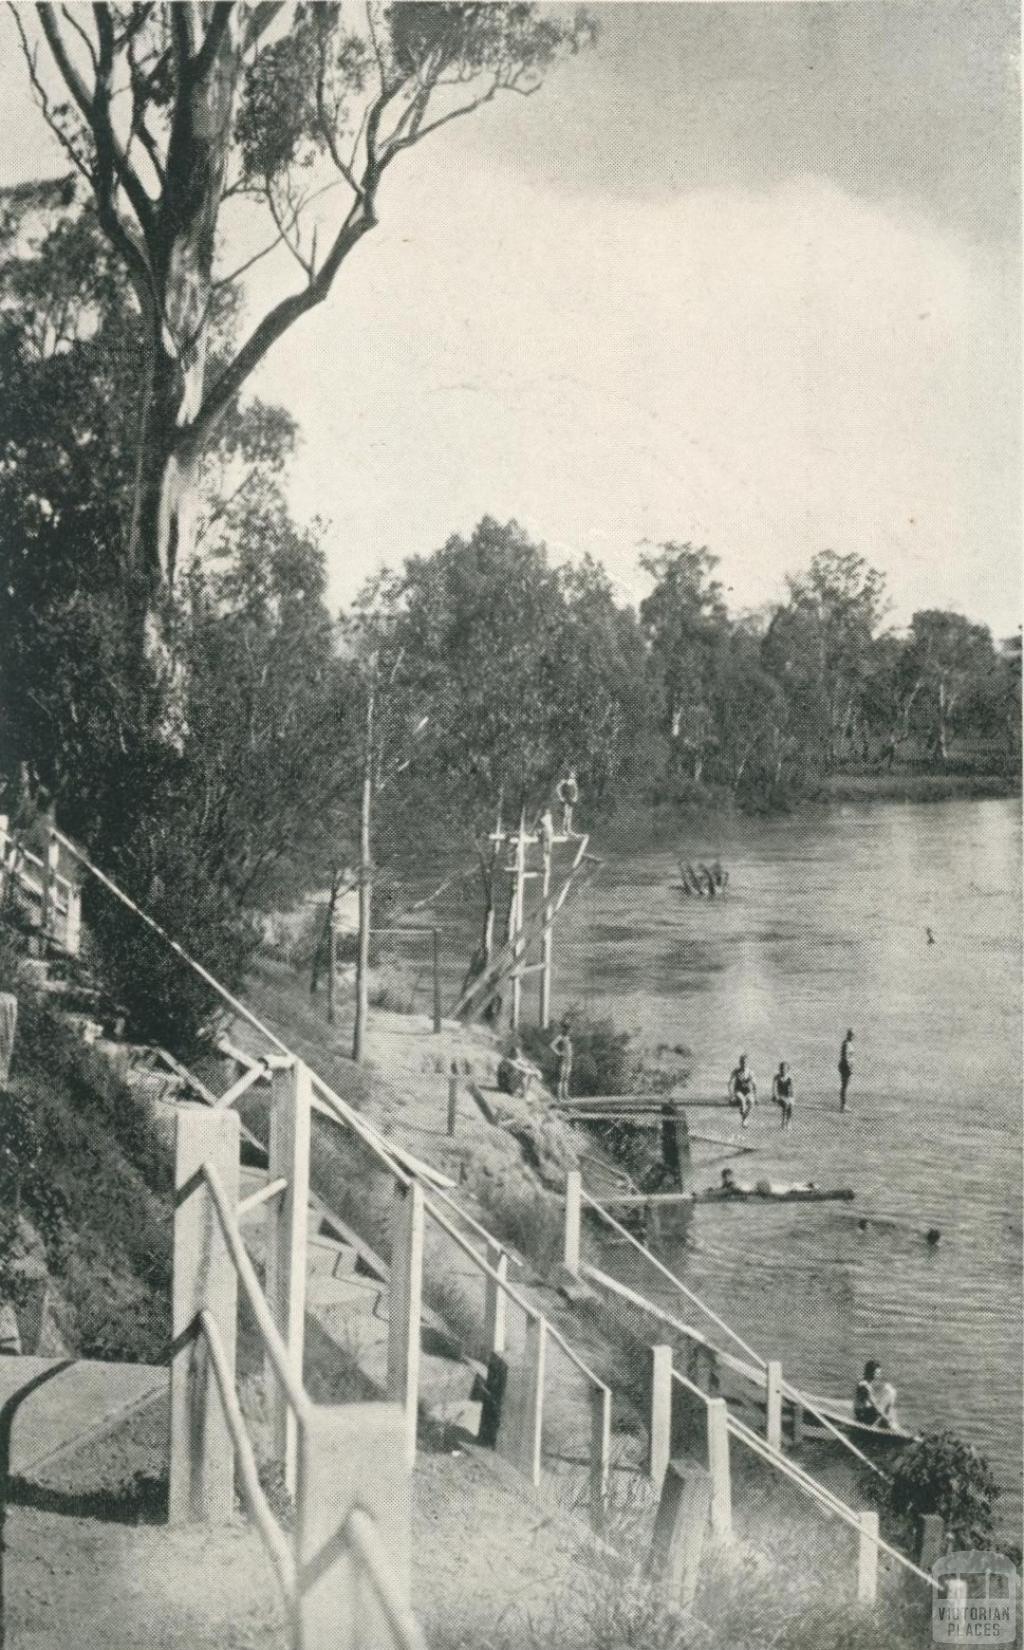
518 913
365 882
547 934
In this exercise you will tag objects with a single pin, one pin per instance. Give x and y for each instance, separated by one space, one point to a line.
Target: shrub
602 1062
942 1474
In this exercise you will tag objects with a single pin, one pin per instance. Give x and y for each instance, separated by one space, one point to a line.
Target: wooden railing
52 900
722 1425
344 1572
762 1374
419 1192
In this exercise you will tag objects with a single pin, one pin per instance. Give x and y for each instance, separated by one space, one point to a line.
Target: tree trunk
365 890
172 434
942 739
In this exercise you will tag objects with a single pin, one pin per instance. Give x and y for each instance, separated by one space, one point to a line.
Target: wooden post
8 1029
867 1558
350 1456
931 1541
600 1455
547 934
287 1229
659 1434
518 911
774 1396
202 1477
436 956
51 865
798 1422
73 928
332 967
365 883
496 1300
679 1526
405 1307
526 1412
573 1213
5 825
718 1466
453 1104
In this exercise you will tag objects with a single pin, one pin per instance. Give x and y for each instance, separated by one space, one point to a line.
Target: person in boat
562 1047
845 1068
783 1093
743 1089
732 1186
874 1401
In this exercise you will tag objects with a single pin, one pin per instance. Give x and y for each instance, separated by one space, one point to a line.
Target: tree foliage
188 120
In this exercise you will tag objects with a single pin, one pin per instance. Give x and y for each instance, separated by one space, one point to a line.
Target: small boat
840 1412
765 1193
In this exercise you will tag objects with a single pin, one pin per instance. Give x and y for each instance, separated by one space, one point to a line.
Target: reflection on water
824 927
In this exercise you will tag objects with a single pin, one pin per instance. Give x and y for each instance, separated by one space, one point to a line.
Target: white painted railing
344 1573
420 1191
761 1373
54 900
722 1425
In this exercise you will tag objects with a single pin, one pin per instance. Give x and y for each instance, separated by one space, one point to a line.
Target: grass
88 1170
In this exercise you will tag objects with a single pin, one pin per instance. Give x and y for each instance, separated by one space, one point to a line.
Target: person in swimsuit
845 1068
743 1089
874 1401
562 1046
783 1093
568 794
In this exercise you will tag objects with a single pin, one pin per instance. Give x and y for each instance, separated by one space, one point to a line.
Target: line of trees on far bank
493 671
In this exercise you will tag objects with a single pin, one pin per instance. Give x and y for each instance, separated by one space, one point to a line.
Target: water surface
824 927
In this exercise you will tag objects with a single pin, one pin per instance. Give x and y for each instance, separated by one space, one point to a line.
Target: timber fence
720 1424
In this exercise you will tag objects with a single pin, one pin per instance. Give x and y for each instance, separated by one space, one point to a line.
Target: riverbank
912 786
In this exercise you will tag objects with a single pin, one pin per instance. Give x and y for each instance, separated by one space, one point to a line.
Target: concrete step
55 1404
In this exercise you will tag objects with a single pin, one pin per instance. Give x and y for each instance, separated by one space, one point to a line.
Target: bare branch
358 221
394 147
67 12
43 100
284 230
236 274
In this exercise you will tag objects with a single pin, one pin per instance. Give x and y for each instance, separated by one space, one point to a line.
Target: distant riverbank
916 787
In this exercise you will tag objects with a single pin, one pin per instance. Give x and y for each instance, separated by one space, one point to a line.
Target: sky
745 275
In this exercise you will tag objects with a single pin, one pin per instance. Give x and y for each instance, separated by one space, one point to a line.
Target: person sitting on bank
783 1092
874 1401
743 1089
562 1047
516 1074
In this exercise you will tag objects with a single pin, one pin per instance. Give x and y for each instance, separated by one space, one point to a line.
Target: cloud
769 372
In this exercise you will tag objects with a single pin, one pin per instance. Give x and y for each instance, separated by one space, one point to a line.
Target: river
824 927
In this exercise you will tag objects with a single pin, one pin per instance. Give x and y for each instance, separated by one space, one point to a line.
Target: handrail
677 1283
803 1480
276 1350
481 1231
513 1293
273 1537
821 1493
377 1143
362 1532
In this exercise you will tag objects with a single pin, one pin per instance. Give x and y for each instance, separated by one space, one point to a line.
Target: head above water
849 1034
743 1059
565 1025
783 1068
872 1369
